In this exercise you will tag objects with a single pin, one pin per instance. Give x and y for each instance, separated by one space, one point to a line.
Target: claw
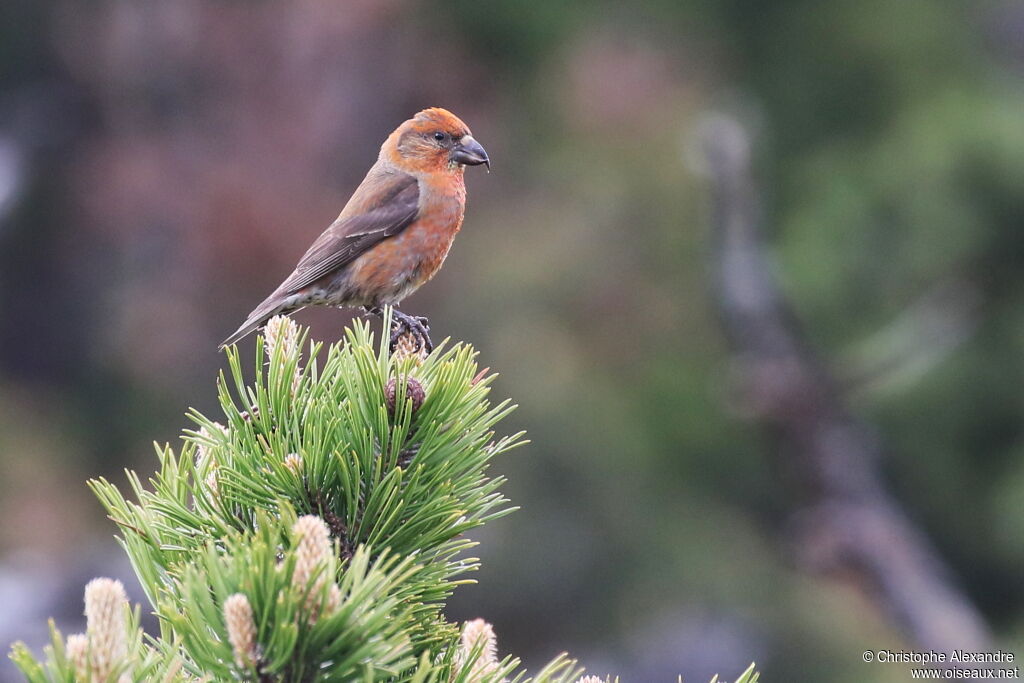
418 326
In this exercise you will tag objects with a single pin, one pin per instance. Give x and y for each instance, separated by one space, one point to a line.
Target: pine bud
413 390
105 602
313 552
333 599
202 448
77 653
241 630
591 679
281 332
487 663
212 483
409 345
293 461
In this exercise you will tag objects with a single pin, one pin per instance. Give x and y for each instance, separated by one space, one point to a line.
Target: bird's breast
397 266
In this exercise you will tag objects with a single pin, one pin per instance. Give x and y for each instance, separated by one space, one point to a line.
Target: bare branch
848 524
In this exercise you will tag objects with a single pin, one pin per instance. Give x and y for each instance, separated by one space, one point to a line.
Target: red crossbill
393 234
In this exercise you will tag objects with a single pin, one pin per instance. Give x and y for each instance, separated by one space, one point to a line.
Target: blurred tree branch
848 524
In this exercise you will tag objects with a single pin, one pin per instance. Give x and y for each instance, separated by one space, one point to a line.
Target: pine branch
850 524
314 532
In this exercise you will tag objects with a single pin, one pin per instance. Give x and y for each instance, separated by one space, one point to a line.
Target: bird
393 234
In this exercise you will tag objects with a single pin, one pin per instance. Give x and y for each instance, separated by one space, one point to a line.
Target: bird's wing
357 231
385 203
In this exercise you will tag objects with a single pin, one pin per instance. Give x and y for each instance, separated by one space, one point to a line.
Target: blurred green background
163 166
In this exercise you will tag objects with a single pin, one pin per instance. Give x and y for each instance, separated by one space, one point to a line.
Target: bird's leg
401 323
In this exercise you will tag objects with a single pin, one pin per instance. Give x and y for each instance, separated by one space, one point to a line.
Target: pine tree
313 535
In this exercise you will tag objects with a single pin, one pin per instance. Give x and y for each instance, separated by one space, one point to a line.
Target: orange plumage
395 231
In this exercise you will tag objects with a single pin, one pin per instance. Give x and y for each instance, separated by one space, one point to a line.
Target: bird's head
434 140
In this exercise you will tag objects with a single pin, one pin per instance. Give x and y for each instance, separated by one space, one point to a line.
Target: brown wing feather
363 224
351 236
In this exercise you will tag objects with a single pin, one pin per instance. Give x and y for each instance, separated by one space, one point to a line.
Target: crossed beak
468 151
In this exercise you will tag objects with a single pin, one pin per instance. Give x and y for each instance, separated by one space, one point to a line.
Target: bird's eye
440 136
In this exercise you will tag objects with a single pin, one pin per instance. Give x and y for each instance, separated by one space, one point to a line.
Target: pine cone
413 390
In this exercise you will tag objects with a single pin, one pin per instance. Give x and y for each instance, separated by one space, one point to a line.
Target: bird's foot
417 326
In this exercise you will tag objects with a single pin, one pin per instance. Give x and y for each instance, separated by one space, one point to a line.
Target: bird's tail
264 312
